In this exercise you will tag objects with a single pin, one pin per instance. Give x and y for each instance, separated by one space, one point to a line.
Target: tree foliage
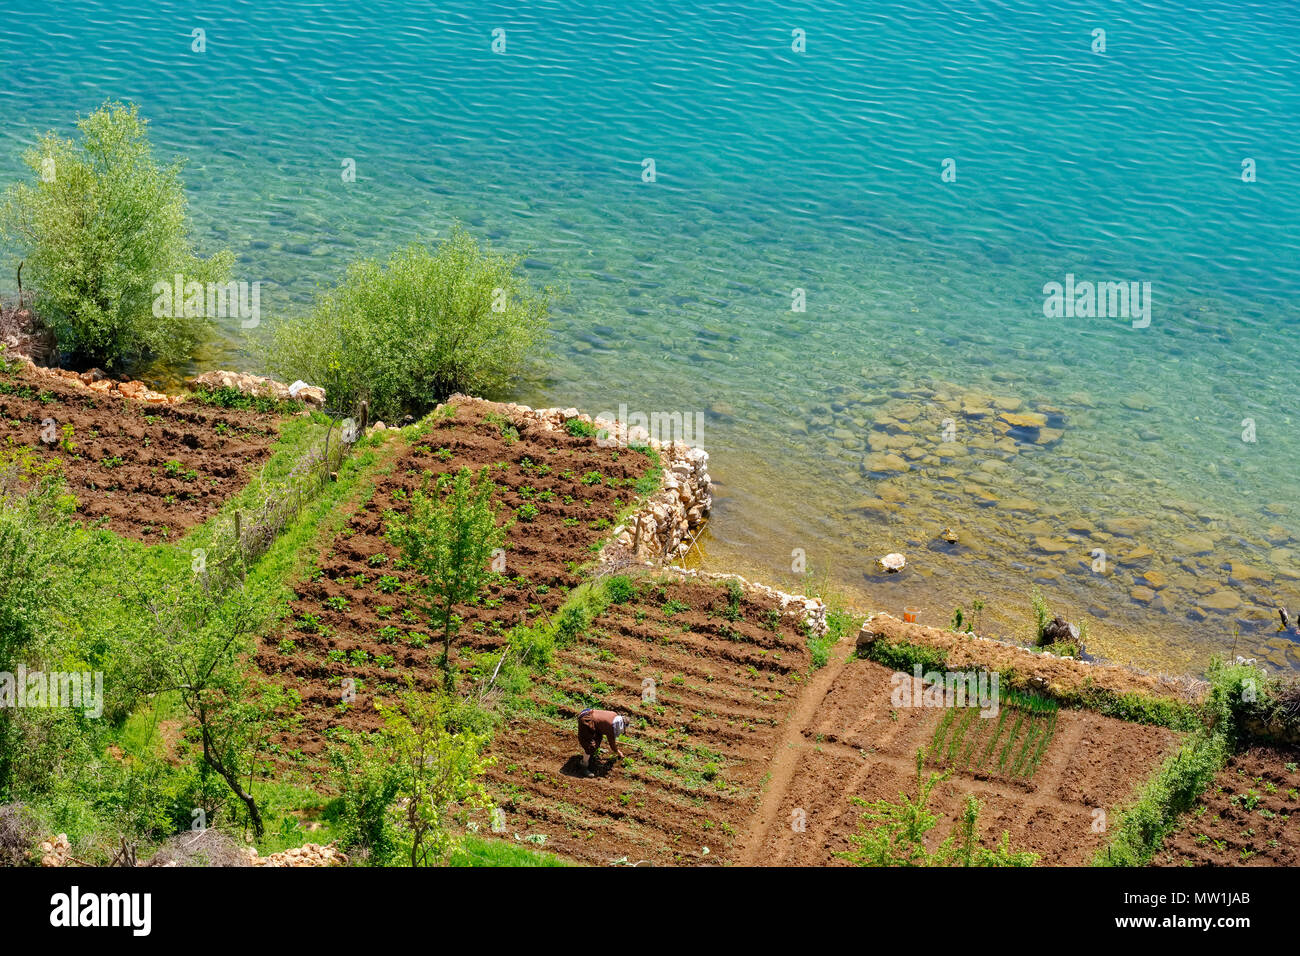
448 535
406 334
101 223
402 787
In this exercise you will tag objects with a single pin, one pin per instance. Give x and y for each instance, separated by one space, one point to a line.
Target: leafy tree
401 787
406 334
195 643
438 770
448 535
100 225
35 536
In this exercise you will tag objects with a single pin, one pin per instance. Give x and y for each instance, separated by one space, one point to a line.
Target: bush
368 788
18 835
894 834
620 589
406 334
102 223
904 656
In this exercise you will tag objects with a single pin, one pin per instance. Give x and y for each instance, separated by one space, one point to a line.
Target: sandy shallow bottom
1164 582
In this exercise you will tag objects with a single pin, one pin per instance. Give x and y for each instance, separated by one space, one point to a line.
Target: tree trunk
232 781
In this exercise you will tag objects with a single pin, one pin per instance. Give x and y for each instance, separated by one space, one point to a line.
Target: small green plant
1042 616
735 594
674 606
964 622
894 834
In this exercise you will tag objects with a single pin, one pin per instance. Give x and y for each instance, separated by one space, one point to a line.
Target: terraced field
148 471
856 743
1249 816
358 616
708 678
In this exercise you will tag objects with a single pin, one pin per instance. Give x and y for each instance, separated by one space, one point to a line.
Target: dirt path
785 761
843 739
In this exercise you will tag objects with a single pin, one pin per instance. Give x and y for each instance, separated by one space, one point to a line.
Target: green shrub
1144 825
904 656
535 646
101 224
620 589
894 834
408 333
367 790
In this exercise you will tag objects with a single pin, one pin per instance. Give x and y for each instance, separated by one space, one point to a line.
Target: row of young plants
964 740
1240 697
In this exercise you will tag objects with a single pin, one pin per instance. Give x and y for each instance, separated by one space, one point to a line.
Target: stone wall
810 611
666 524
260 387
97 381
1040 670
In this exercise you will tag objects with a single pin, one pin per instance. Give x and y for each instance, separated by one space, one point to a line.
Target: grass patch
482 851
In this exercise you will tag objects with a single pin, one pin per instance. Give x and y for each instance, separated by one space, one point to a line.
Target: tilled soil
697 755
857 744
359 614
1250 815
148 471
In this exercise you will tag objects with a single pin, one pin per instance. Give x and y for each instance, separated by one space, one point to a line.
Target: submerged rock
893 562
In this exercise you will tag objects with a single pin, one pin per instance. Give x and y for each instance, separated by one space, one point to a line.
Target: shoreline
670 528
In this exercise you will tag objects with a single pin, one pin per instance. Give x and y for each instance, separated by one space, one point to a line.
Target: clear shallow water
821 171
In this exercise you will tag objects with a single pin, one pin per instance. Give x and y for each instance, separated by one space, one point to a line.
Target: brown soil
115 456
697 757
359 615
856 744
1248 817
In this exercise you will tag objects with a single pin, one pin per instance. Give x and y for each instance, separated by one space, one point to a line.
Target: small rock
893 562
1143 595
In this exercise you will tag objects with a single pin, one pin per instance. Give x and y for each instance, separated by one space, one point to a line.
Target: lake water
1149 514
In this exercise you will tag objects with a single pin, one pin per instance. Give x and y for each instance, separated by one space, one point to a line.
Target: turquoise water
818 170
